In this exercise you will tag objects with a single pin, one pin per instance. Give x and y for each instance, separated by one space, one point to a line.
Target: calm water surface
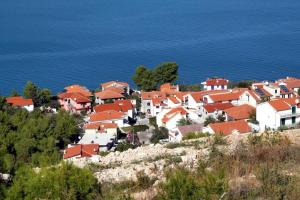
59 42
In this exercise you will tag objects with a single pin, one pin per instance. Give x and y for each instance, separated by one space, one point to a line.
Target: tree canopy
39 96
150 79
59 182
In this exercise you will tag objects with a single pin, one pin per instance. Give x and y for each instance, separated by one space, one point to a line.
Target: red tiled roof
106 115
98 125
108 94
240 112
174 100
82 150
168 87
227 128
78 89
151 95
158 101
114 84
210 108
19 101
116 89
284 104
291 82
169 115
229 96
218 81
118 105
77 97
198 96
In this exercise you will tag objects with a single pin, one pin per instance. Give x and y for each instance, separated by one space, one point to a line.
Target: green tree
299 92
193 88
209 120
60 182
150 79
39 96
159 134
166 72
184 122
14 93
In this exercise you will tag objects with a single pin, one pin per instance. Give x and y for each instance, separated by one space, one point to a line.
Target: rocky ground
153 160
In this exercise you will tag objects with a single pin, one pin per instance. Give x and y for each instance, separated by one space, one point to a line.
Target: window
293 120
223 87
148 111
157 106
212 87
282 121
293 109
275 91
148 104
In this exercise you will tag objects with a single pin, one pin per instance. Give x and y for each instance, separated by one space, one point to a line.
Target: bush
159 134
152 121
194 135
209 120
124 146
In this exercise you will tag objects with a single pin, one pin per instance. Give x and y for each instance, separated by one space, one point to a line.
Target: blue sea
55 43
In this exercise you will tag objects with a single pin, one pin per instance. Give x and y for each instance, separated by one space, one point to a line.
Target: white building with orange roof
173 102
107 96
74 102
21 103
279 112
110 116
116 85
215 84
78 89
227 128
146 98
169 117
169 88
157 104
291 83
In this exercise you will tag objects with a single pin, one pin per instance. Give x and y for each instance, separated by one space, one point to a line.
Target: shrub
124 146
209 120
159 134
194 135
152 121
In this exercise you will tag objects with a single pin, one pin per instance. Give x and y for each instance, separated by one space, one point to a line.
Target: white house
276 113
21 102
214 109
173 102
169 117
215 84
179 132
227 128
86 151
157 104
117 86
108 117
146 98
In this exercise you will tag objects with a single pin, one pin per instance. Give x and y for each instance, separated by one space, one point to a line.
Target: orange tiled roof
217 81
114 84
98 125
210 108
106 115
153 94
78 89
108 94
116 89
198 96
82 150
75 96
227 128
168 87
291 82
19 101
229 96
240 112
169 115
158 101
284 104
119 105
174 100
